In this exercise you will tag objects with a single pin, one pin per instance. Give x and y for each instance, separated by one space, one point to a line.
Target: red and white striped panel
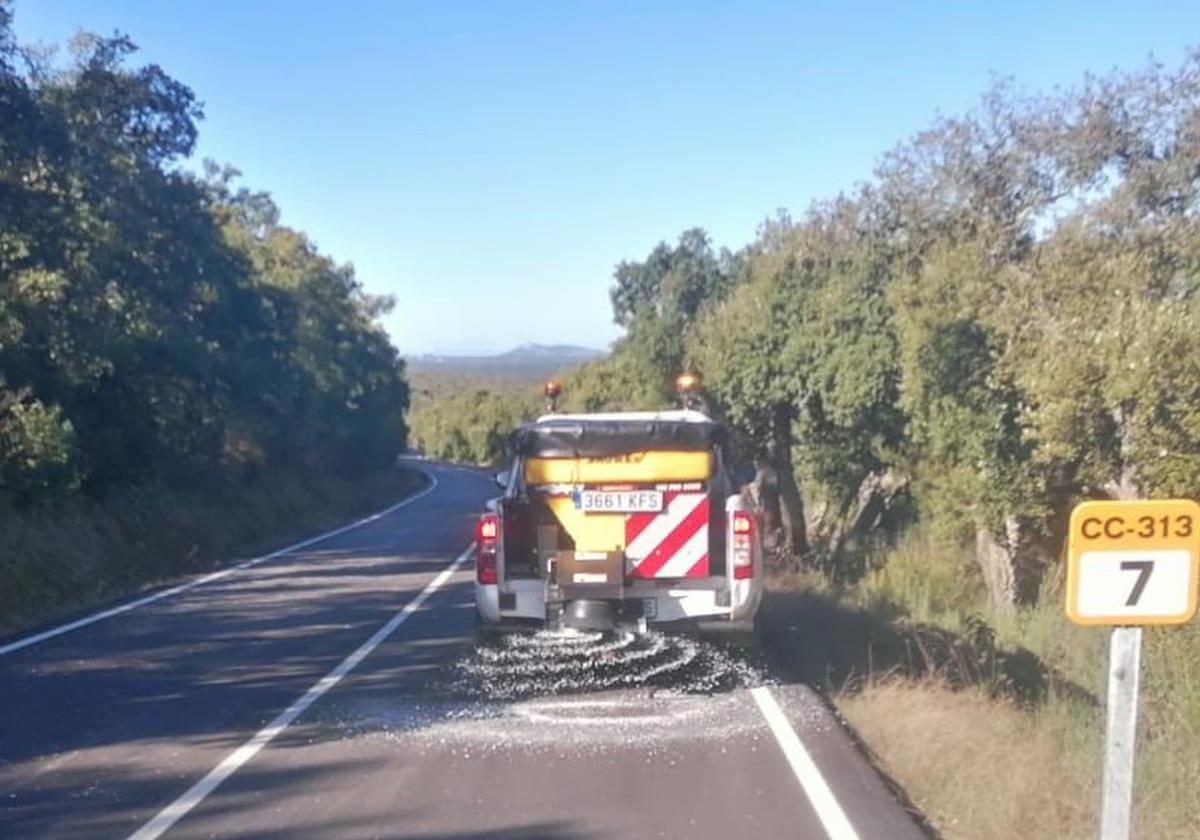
672 543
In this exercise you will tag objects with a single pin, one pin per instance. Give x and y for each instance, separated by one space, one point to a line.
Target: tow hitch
589 614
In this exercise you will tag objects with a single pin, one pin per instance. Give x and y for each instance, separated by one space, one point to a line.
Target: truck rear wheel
742 636
486 634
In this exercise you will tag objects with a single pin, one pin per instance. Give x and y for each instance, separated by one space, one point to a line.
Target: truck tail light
487 539
743 545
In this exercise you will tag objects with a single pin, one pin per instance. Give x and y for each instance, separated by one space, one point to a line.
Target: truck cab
620 520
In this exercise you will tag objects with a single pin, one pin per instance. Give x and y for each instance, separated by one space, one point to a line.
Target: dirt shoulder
963 732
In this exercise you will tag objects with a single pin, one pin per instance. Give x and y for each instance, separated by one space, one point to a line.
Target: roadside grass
57 559
991 723
979 767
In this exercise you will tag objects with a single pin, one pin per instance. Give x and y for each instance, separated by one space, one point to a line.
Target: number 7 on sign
1121 571
1144 568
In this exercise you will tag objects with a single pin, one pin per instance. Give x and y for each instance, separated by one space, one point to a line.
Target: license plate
620 501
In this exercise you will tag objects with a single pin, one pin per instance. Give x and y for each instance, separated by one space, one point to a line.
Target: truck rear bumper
695 610
530 599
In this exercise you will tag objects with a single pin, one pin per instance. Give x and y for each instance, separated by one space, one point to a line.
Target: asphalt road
316 694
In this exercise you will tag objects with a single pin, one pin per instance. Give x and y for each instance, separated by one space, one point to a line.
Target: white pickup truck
619 520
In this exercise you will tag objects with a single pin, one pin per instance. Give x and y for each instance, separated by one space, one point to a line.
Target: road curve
316 694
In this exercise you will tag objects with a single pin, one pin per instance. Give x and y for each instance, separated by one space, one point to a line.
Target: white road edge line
170 815
29 641
829 812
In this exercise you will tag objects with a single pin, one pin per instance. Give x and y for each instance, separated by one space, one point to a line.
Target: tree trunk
1012 562
779 454
866 512
997 567
764 492
1125 485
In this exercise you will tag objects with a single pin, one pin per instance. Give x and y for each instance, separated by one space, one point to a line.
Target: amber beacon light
687 383
552 390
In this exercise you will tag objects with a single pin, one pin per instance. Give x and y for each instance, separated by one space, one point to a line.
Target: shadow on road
100 726
104 790
541 831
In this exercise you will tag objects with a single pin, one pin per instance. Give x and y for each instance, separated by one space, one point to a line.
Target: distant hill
561 353
527 364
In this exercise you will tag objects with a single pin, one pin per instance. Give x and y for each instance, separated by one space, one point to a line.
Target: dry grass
986 763
1168 782
980 768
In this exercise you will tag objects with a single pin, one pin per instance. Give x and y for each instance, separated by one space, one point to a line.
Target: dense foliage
155 323
1006 319
1003 321
472 425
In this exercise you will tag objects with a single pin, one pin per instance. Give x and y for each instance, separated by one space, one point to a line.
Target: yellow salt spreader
623 519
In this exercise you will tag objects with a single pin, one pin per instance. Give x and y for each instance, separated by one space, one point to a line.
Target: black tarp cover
603 438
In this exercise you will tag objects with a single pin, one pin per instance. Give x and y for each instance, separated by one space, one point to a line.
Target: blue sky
489 163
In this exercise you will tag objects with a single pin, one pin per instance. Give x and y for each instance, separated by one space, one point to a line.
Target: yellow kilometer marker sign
1128 564
1135 562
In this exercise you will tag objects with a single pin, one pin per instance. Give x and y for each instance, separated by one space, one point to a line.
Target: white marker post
1129 564
1120 738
